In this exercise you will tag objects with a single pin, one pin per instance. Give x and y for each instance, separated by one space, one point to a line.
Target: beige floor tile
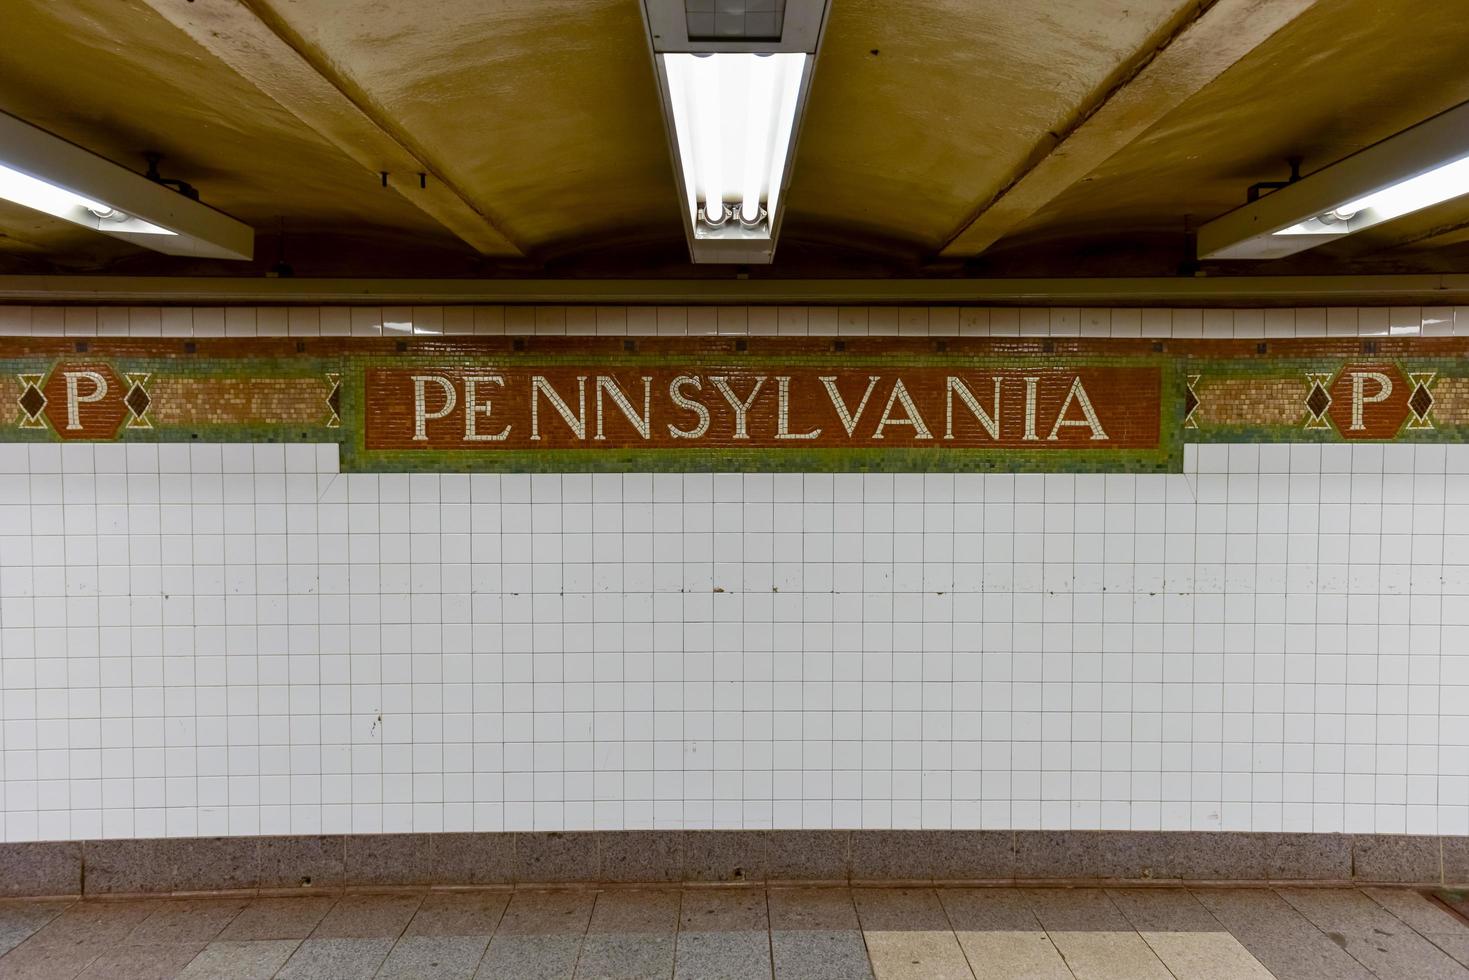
908 935
1096 940
1182 933
1109 956
1205 956
1000 935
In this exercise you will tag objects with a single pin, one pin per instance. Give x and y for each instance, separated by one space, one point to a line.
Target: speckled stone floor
776 932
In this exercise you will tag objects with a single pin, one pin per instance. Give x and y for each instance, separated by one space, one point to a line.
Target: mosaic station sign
720 403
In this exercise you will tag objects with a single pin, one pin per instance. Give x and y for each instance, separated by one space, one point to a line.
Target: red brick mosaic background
492 408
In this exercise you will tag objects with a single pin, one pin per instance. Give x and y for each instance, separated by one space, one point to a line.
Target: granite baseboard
324 863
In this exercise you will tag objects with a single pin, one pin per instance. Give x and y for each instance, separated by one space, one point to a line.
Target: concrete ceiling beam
263 50
1198 46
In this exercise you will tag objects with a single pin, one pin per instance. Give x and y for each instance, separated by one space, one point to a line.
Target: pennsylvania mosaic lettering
478 409
717 403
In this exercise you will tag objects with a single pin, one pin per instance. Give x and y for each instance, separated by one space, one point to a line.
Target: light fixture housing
48 174
1415 169
733 76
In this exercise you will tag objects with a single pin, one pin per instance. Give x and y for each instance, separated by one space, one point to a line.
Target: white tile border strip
678 321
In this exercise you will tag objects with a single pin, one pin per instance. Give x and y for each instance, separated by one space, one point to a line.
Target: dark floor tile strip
331 862
41 868
1407 858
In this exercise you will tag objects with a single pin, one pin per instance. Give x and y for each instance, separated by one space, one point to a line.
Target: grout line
586 931
938 897
857 915
1107 897
769 931
677 929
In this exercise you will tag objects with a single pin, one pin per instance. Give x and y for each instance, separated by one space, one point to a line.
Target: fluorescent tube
1415 169
757 135
705 79
733 120
39 195
48 174
1440 184
733 79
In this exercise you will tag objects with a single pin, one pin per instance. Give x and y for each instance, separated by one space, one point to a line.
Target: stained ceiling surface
941 137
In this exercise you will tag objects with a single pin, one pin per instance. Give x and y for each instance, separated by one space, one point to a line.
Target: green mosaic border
1295 369
1166 457
293 367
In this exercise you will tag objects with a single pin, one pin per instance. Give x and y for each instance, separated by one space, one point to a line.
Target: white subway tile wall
237 639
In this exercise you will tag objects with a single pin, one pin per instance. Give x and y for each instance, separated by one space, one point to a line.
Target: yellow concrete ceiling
538 123
542 112
112 76
1345 75
921 110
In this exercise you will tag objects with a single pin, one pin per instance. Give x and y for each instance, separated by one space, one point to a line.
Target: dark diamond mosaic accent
1190 402
334 401
1421 401
137 401
1318 401
32 401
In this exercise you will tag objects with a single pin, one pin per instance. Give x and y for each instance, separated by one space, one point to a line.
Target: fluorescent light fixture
37 194
732 105
733 115
48 174
1416 169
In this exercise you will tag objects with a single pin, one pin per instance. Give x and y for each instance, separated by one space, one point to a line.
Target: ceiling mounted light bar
733 77
1413 170
48 174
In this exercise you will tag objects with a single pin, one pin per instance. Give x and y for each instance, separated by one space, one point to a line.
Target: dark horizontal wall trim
1231 291
317 863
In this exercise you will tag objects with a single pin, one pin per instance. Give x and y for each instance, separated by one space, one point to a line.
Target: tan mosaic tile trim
1251 401
1450 401
9 391
225 401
